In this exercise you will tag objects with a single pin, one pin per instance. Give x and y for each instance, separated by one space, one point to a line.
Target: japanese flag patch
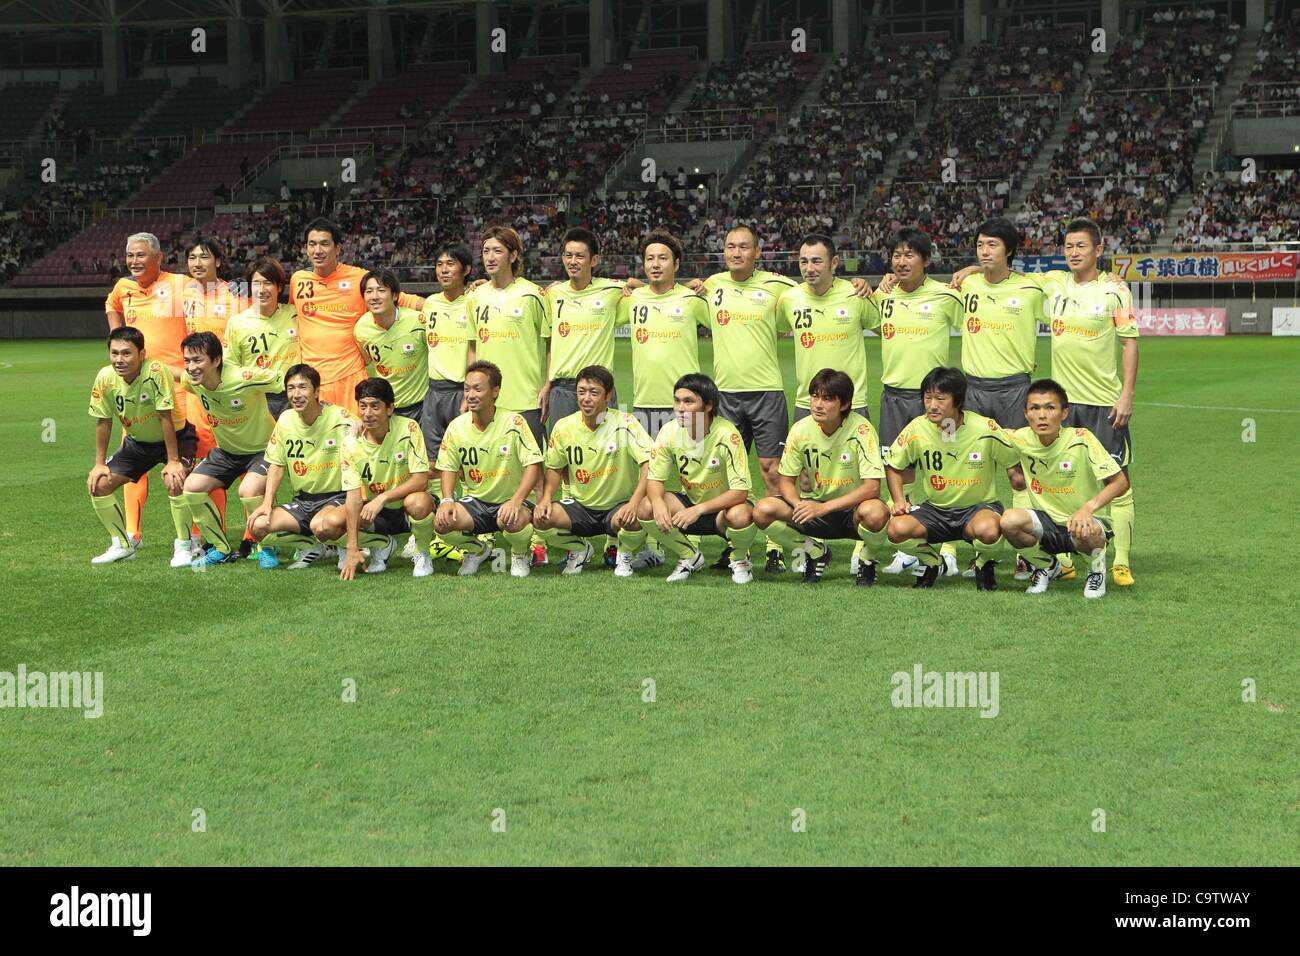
713 462
345 284
293 332
400 456
975 457
926 307
846 457
331 442
1066 466
504 450
236 403
408 347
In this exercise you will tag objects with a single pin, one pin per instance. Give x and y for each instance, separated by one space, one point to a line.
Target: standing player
233 401
584 312
386 466
1071 477
152 301
956 454
307 446
827 317
665 317
138 392
493 454
265 335
451 346
742 303
393 341
840 451
607 455
329 303
707 455
917 315
512 321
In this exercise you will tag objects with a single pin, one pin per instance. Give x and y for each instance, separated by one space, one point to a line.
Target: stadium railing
146 212
257 135
698 134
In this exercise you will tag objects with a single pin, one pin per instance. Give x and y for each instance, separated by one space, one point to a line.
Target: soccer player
385 466
493 453
393 341
307 446
584 312
827 317
840 451
1071 477
917 314
234 403
512 320
607 454
451 346
139 392
152 301
665 316
956 453
265 335
707 455
329 303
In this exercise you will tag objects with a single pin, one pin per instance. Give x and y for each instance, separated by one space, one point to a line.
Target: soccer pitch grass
222 690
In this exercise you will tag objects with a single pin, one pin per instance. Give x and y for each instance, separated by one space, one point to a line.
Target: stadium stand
202 103
190 182
95 256
1228 211
301 105
21 108
409 100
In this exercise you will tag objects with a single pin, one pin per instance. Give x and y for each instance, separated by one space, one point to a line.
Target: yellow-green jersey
664 341
582 326
715 464
137 404
1087 322
311 455
398 353
447 334
914 331
828 334
959 467
743 317
604 463
1066 474
491 461
376 468
1001 328
236 409
837 462
271 342
510 324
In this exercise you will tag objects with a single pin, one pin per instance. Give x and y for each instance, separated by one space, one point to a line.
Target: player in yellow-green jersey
665 319
706 455
265 335
606 454
956 454
450 341
386 478
584 312
827 317
235 402
491 452
306 445
1070 478
839 451
511 318
393 341
140 394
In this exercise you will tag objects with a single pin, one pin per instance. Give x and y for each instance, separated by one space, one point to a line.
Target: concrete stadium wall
1264 137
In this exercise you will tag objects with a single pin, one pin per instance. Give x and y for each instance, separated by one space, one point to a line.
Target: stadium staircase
1216 130
1042 163
137 128
364 87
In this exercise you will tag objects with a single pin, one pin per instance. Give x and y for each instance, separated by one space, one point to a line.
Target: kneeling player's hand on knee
1080 524
663 519
687 517
371 509
900 508
97 474
173 475
445 516
806 511
542 513
625 517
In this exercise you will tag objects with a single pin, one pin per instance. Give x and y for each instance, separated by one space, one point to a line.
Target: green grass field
223 690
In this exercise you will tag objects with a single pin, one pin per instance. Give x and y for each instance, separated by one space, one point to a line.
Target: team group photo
503 433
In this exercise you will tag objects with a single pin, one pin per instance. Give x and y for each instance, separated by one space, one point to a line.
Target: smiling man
392 339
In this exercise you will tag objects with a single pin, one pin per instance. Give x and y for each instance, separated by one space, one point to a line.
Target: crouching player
708 456
139 393
493 453
1071 477
607 455
306 445
235 401
840 451
957 454
386 461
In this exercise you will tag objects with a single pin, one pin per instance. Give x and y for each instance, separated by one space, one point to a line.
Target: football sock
136 494
422 532
250 505
467 542
1121 519
874 544
632 541
741 540
521 540
180 511
783 536
987 552
674 542
204 512
562 538
108 509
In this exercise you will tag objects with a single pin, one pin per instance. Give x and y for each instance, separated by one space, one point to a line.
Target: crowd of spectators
897 69
1189 47
1228 211
1035 58
754 79
1276 74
